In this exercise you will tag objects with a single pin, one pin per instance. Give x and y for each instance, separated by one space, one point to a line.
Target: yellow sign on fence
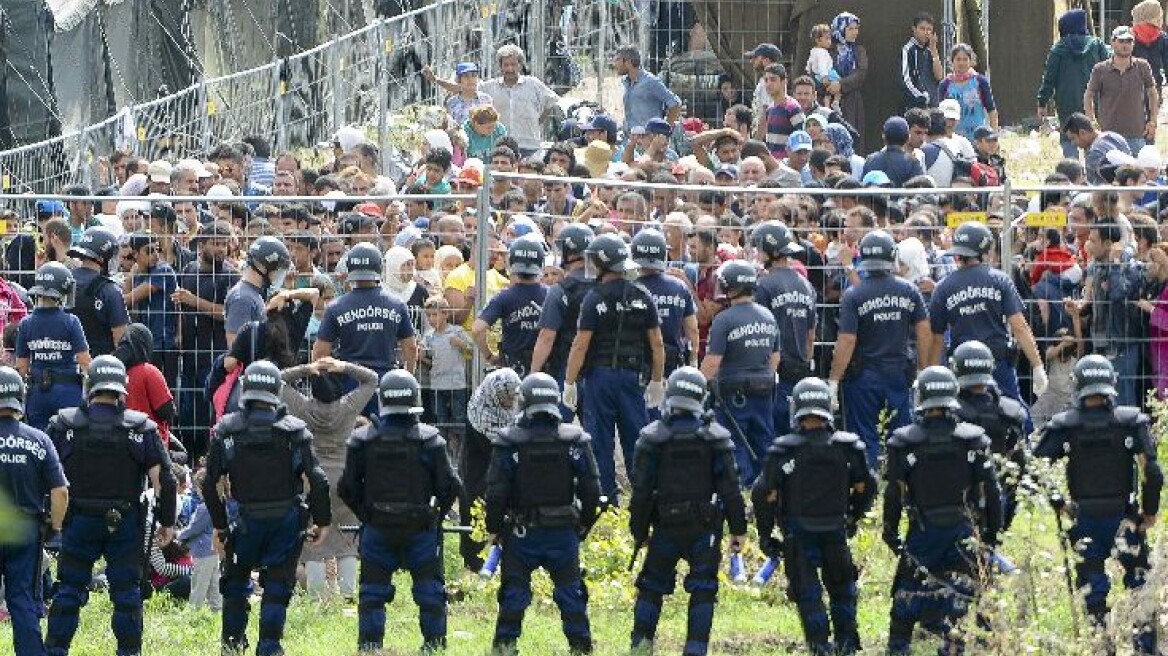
1049 219
954 219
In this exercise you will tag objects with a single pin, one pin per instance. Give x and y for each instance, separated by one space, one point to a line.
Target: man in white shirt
763 55
955 142
523 102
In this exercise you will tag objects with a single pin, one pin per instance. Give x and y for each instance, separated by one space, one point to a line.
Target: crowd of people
637 257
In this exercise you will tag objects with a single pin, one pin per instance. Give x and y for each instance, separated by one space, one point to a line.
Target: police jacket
398 476
107 452
942 470
819 479
1102 447
568 295
264 455
1002 418
623 313
685 479
542 474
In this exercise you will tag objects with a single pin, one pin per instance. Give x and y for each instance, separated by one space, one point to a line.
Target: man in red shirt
146 390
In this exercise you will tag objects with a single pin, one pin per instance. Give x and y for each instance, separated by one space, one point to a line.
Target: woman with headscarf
1068 68
398 279
841 141
851 62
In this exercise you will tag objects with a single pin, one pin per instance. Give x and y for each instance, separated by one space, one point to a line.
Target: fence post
278 87
82 165
382 89
204 118
139 131
538 47
602 51
441 49
488 44
481 263
1008 228
334 73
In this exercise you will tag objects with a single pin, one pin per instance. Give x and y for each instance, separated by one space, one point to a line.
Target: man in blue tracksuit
942 471
543 496
619 337
1106 447
518 308
674 301
791 299
30 471
877 323
262 455
742 357
111 455
685 485
399 482
50 346
561 308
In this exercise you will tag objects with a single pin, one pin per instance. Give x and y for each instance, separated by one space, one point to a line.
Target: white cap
349 138
438 140
329 205
1149 158
127 205
159 171
951 108
219 191
194 165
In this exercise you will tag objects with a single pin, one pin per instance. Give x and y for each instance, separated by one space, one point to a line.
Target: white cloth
819 62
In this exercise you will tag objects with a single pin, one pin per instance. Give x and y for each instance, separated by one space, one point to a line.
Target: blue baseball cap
50 208
799 140
876 179
658 126
896 128
466 68
727 170
600 122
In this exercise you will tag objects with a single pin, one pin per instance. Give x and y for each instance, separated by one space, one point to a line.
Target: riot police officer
817 485
262 454
265 268
619 336
685 485
674 301
110 455
561 307
1001 417
742 357
542 498
791 299
1106 446
941 469
400 483
99 303
50 346
878 320
971 302
517 306
29 471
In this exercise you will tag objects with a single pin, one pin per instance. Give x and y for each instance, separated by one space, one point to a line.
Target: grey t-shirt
244 303
447 363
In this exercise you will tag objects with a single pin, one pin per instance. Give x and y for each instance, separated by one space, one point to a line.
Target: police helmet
399 393
363 263
525 256
106 374
971 239
736 278
877 252
11 389
686 390
811 397
97 244
608 253
936 387
973 364
573 240
650 250
53 280
1094 375
260 382
539 393
267 255
775 239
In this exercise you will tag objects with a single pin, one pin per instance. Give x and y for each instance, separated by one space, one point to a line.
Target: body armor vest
260 464
1100 467
98 331
817 489
685 483
102 468
940 477
628 347
545 480
398 489
575 290
994 420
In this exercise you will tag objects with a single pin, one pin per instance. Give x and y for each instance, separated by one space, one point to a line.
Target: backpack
983 175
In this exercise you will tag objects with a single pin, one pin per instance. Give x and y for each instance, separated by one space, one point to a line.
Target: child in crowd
483 131
426 273
1060 365
197 537
821 67
445 349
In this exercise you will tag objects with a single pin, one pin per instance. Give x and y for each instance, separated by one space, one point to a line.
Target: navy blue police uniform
48 342
673 298
816 485
264 453
791 300
943 471
29 470
542 497
99 303
1105 446
107 452
518 308
685 486
561 315
399 482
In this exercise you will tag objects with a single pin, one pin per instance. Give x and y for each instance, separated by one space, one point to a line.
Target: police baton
716 394
1058 503
633 559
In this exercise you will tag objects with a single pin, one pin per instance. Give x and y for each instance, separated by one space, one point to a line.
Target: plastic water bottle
737 568
492 563
768 570
1002 563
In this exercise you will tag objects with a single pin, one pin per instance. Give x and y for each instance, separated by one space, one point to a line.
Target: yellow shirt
462 279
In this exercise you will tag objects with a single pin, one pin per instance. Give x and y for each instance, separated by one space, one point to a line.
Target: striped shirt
486 412
782 119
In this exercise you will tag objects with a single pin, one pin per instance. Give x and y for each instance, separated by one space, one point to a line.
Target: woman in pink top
1156 306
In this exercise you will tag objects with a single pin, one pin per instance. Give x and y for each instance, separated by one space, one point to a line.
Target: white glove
570 395
1038 384
833 387
655 394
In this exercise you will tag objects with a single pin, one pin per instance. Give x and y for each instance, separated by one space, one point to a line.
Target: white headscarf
395 258
910 254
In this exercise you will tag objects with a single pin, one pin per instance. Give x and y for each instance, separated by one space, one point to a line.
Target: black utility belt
47 378
546 517
629 362
99 507
267 509
688 513
748 388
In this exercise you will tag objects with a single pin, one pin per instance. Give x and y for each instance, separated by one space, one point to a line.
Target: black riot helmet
811 397
735 278
105 374
53 280
399 393
363 263
973 364
260 383
936 387
650 251
525 256
775 240
1093 375
607 253
972 239
97 244
877 252
539 393
686 390
573 240
11 389
269 257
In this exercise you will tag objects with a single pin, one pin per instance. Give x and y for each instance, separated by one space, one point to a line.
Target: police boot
579 646
1098 621
234 647
369 648
641 646
504 648
434 645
